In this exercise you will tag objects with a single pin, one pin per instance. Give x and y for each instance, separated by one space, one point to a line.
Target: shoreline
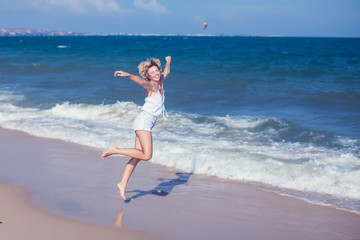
168 204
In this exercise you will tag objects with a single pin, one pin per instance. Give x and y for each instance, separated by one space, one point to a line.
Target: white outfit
154 104
151 110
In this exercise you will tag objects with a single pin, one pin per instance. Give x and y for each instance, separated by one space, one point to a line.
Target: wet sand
167 204
21 220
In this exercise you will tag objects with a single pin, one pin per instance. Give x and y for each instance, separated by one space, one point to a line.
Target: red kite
205 25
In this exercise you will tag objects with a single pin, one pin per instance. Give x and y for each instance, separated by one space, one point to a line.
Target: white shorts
144 122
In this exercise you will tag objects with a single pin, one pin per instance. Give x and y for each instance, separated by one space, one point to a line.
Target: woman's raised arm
166 71
145 84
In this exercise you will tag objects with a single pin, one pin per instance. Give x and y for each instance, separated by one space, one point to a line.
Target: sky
317 18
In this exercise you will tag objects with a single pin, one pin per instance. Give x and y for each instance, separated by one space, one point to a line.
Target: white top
154 104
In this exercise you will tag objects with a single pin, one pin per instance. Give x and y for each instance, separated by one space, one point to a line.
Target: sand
20 220
167 204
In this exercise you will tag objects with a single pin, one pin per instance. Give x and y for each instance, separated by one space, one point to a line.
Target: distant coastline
39 32
20 32
34 32
27 32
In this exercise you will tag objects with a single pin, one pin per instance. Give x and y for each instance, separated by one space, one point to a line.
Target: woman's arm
145 84
166 71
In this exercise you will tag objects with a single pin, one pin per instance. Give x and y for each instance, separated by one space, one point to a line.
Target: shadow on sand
164 188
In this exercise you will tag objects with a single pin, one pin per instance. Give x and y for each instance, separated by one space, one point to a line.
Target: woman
152 80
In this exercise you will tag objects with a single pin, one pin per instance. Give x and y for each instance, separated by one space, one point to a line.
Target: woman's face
154 73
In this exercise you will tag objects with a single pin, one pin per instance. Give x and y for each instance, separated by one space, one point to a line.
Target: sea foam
243 148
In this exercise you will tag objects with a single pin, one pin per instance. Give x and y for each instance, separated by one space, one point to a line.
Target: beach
167 204
21 219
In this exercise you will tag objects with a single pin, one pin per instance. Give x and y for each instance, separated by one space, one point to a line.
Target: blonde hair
145 65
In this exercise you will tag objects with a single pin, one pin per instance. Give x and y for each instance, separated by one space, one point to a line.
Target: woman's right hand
120 74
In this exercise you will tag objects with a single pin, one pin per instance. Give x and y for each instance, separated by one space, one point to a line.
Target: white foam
96 126
237 148
10 96
242 154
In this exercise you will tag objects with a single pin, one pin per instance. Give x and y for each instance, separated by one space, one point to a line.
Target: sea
278 112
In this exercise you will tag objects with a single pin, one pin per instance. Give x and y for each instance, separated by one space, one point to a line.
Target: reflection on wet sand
119 219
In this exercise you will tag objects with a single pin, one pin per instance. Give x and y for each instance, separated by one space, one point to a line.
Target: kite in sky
205 25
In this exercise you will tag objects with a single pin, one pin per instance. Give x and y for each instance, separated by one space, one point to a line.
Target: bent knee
147 157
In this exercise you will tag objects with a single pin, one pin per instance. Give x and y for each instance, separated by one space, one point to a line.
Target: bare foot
122 191
109 152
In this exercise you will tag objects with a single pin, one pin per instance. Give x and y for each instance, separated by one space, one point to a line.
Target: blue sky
323 18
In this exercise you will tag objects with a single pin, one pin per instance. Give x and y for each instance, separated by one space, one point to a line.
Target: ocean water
281 113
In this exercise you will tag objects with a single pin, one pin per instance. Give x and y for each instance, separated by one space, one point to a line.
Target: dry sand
196 207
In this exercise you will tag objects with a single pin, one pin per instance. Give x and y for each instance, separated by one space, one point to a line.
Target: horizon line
27 32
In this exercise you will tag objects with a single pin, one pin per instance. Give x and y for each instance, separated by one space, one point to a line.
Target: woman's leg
141 151
128 170
145 153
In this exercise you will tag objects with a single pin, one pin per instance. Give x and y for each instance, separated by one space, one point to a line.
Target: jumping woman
152 79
